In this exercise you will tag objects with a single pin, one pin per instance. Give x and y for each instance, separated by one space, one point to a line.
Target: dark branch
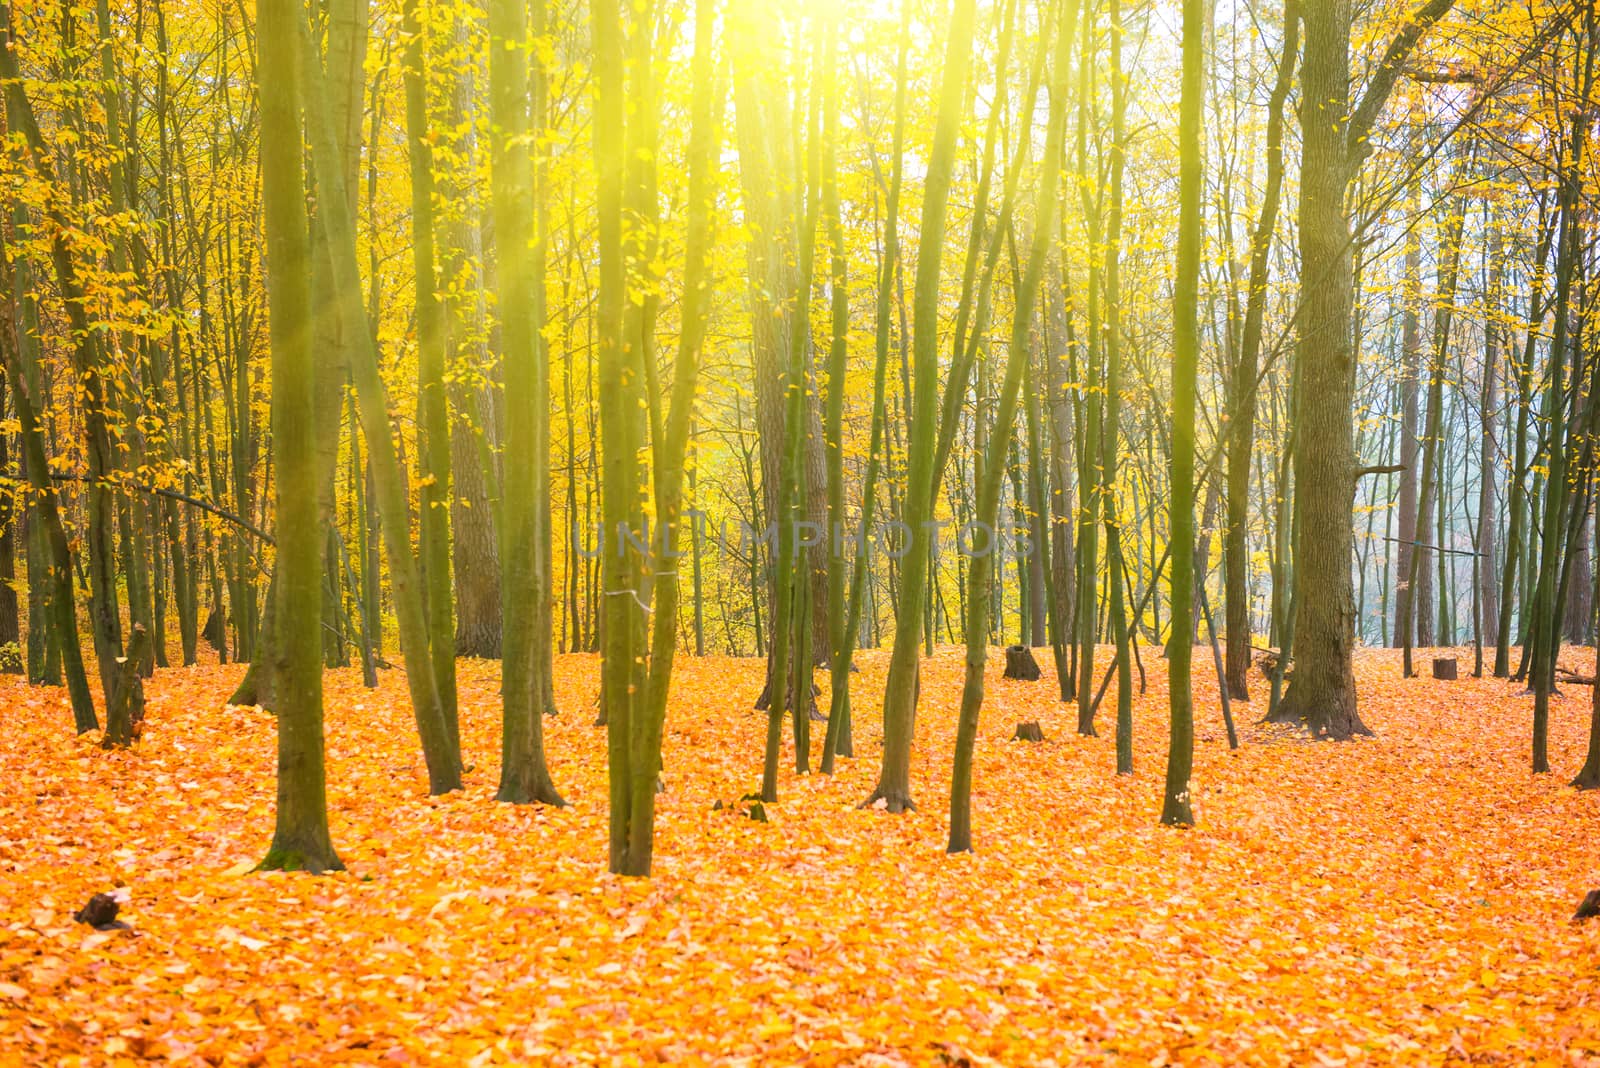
1433 548
1444 76
1383 79
203 505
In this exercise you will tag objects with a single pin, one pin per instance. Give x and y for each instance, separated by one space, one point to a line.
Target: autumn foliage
1401 899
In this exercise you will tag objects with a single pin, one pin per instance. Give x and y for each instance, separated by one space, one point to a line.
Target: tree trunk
900 695
524 775
433 420
1335 139
1322 692
433 726
1176 809
474 432
1241 443
1019 356
1414 618
300 840
1405 612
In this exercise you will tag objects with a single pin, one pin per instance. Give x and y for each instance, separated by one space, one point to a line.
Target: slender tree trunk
1516 506
1432 442
443 757
87 360
900 695
838 739
1410 372
433 420
18 345
1241 442
1017 360
645 746
1488 601
1176 808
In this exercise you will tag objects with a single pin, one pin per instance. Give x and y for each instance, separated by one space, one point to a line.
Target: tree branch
203 505
1389 69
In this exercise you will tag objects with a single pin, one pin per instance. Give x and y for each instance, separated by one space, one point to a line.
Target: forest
799 531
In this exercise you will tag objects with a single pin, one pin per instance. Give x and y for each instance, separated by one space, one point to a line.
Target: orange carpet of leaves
1398 900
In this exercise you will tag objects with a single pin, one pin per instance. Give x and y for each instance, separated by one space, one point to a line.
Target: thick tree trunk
1322 690
524 774
1579 608
1335 139
476 559
300 840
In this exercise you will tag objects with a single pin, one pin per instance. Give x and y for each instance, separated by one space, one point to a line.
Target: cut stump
1020 663
1028 732
1444 667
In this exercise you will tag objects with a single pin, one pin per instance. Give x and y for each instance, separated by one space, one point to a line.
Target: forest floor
1401 899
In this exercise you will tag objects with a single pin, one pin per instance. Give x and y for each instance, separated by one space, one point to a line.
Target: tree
1335 139
1241 439
524 775
300 841
433 420
88 367
1406 621
1177 809
900 693
1018 357
433 724
838 739
704 139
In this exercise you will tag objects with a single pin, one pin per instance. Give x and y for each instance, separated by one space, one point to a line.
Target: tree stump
1028 732
1020 663
215 632
764 701
1444 667
125 711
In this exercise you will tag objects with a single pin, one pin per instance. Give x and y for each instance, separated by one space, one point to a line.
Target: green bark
1176 808
900 697
301 840
980 570
442 756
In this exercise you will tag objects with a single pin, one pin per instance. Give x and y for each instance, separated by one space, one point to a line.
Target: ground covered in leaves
1395 900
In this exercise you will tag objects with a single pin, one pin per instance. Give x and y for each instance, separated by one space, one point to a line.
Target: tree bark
300 840
1334 140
